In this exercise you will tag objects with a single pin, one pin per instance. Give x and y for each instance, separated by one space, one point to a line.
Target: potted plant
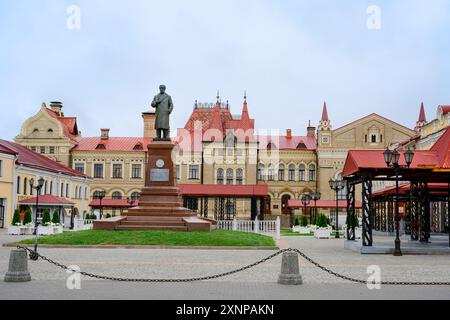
353 221
304 226
16 223
56 221
46 227
296 227
323 230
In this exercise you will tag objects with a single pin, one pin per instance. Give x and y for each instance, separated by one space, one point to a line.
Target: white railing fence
266 227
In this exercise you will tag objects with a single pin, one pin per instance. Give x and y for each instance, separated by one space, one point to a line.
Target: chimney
56 106
311 131
149 124
288 133
104 134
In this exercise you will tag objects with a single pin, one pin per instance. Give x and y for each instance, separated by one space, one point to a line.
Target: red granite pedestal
160 205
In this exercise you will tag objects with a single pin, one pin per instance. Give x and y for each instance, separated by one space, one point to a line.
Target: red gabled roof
119 144
69 124
442 148
403 188
248 190
29 158
4 149
48 199
445 109
374 159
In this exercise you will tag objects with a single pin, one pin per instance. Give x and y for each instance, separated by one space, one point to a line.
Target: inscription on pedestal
159 175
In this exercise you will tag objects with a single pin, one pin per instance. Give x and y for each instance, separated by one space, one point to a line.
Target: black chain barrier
35 256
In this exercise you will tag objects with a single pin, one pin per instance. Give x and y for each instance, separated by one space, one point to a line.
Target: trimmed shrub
28 218
352 221
322 221
16 217
297 222
304 222
108 216
46 218
55 218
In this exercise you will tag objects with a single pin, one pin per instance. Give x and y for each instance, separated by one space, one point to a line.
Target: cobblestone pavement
258 282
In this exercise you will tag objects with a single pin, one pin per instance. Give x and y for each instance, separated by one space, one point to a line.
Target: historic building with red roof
217 147
65 190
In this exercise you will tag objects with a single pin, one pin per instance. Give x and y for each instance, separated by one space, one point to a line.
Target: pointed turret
246 122
422 118
324 123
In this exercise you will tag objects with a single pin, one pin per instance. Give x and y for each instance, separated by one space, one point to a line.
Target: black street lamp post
38 187
391 158
101 196
306 199
337 185
315 196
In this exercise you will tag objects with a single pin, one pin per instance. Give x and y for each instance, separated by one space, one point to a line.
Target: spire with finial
422 118
324 123
196 104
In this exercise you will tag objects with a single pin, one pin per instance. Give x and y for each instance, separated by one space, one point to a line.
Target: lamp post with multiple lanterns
315 196
38 187
306 199
392 161
337 185
101 196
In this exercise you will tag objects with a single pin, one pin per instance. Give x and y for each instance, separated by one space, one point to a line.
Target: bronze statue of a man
164 107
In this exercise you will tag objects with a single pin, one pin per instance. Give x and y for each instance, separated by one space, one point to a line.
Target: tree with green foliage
304 222
28 218
322 221
297 222
55 218
46 219
16 217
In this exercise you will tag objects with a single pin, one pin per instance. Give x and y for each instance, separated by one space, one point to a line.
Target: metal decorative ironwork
367 218
414 211
391 216
351 212
424 213
436 216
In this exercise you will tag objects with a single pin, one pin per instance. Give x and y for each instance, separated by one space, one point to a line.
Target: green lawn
287 233
217 238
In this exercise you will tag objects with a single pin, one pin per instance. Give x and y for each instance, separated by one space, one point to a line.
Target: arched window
85 193
51 187
117 195
67 190
230 175
135 196
25 186
239 176
261 169
96 195
76 192
271 173
312 172
79 193
219 176
301 172
281 172
45 188
292 172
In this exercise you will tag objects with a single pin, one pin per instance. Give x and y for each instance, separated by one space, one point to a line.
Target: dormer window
50 130
301 145
100 146
271 146
138 147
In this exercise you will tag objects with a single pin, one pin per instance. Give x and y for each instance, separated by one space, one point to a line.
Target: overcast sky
290 56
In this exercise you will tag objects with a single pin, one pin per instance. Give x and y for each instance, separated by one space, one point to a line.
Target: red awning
111 203
222 190
322 204
48 200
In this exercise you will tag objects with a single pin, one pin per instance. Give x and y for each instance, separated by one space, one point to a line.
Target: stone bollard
18 267
290 274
